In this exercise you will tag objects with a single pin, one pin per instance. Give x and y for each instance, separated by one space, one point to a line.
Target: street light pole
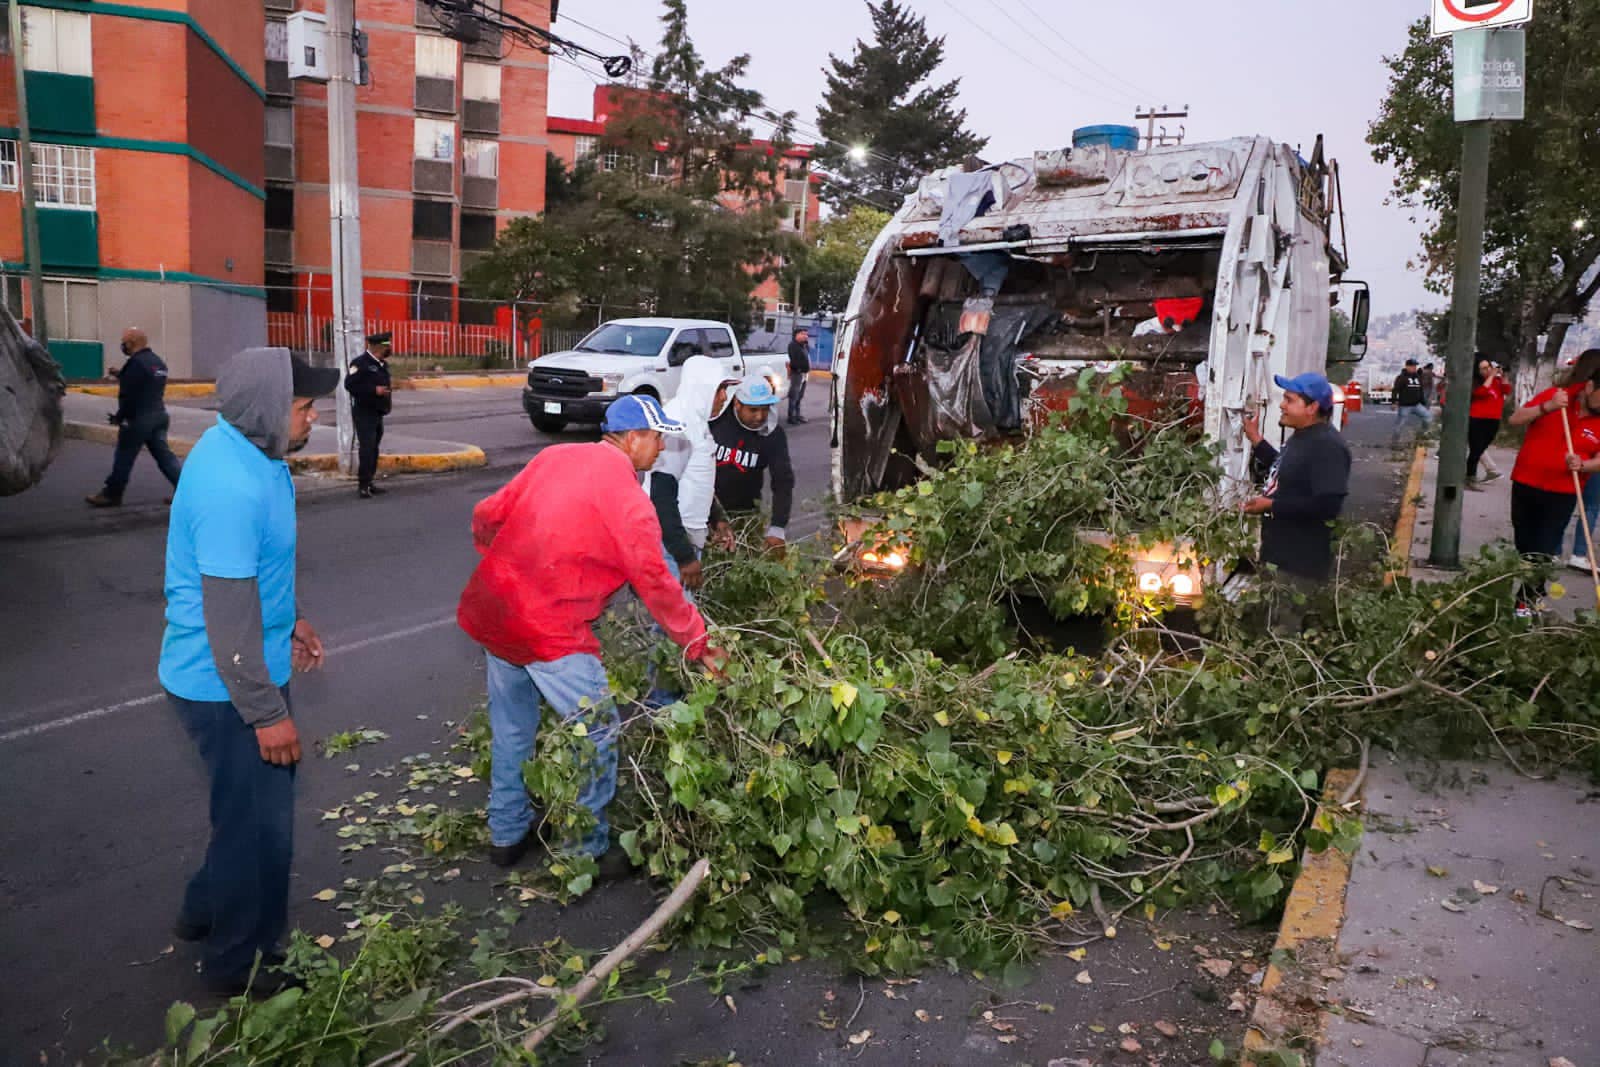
344 209
30 206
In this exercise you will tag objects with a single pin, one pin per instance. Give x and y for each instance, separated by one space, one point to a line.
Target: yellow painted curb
1405 529
173 389
1313 915
462 381
465 457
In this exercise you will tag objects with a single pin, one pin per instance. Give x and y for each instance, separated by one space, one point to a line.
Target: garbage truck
31 417
1204 269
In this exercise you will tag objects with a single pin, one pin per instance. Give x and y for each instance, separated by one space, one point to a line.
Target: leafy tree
826 270
1540 239
883 98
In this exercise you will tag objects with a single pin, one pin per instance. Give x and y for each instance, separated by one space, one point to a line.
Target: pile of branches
894 752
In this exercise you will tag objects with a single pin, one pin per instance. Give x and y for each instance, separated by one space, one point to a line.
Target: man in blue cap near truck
750 443
1304 491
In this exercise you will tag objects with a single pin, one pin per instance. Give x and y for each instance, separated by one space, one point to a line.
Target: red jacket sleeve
630 520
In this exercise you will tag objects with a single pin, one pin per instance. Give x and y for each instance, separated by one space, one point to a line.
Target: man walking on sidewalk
234 635
556 543
141 418
370 400
799 372
1542 490
1306 484
1411 400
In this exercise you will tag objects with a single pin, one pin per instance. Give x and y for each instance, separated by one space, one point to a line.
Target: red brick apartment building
183 179
146 119
452 146
574 139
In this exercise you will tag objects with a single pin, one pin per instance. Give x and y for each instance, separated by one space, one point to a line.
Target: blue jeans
660 696
241 891
1411 413
576 687
1591 508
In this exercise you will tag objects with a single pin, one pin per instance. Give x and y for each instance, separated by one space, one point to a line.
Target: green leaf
179 1016
1218 1051
847 824
781 844
579 885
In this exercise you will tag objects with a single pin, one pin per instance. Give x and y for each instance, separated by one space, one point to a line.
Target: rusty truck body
1205 268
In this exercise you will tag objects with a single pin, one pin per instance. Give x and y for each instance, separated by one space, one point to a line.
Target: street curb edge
1405 528
1314 912
465 457
462 381
172 389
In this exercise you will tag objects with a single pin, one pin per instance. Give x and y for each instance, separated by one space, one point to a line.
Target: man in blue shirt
233 637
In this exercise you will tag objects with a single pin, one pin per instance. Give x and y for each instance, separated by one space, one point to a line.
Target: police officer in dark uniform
141 418
368 386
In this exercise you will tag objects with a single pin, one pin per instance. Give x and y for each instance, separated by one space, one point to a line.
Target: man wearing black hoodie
141 418
749 444
234 636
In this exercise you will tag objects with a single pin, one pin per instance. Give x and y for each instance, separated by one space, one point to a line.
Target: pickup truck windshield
618 340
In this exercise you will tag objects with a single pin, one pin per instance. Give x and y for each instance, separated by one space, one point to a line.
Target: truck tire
548 423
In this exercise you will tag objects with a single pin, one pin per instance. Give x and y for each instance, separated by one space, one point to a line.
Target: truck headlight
610 383
1149 582
1182 585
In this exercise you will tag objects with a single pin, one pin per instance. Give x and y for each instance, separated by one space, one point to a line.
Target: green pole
30 206
1470 206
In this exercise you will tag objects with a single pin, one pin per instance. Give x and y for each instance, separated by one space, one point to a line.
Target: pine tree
882 99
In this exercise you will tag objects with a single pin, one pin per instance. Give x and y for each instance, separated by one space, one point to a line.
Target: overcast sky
1284 68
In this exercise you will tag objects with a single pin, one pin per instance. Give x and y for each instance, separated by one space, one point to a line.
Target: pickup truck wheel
548 423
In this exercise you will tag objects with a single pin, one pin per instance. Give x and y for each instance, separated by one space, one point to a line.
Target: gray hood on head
256 391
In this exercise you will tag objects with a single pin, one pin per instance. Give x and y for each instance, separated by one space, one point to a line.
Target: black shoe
267 982
801 419
376 490
508 855
365 492
184 930
613 865
101 500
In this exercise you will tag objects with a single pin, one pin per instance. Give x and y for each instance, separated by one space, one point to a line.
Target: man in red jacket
557 542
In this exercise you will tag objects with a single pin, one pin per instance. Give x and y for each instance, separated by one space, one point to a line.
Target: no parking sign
1453 16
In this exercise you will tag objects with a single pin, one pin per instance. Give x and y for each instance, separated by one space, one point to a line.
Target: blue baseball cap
1314 387
756 392
635 412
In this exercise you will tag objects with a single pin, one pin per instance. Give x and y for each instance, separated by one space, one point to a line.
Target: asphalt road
102 811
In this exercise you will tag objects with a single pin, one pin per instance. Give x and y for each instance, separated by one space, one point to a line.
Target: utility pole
344 209
1150 115
1490 75
30 205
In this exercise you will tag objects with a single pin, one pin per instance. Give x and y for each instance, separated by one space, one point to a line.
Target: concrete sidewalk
402 453
1486 519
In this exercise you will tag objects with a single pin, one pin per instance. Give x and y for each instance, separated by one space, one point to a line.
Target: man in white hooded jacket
682 484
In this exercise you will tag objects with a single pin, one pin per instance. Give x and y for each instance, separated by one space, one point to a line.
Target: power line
1012 50
1137 90
1034 37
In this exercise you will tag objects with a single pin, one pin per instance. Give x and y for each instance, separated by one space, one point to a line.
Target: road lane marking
139 702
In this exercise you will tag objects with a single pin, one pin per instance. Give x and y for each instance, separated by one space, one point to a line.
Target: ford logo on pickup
555 381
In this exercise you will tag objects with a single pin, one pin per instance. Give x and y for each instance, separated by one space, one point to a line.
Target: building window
480 159
432 301
432 220
611 159
8 165
57 41
277 41
63 176
436 57
280 290
583 148
660 166
480 81
478 232
279 208
435 139
280 126
73 308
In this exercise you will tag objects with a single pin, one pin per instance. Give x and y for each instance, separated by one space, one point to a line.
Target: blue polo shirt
232 517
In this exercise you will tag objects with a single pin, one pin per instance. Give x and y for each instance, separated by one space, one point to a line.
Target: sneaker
1475 485
100 500
185 930
1579 563
376 490
365 492
1490 476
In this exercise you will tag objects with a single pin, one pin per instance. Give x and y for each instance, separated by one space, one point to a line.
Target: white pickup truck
642 356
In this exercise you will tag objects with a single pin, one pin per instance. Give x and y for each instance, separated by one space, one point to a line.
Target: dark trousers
241 891
1538 520
1480 435
145 431
369 434
797 392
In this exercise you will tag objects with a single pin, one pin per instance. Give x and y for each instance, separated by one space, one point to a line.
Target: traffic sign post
1490 79
1453 16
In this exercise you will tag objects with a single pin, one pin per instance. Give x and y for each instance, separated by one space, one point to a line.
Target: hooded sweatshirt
743 459
230 572
691 457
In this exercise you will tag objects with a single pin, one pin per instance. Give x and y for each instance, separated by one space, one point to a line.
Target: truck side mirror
1360 312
